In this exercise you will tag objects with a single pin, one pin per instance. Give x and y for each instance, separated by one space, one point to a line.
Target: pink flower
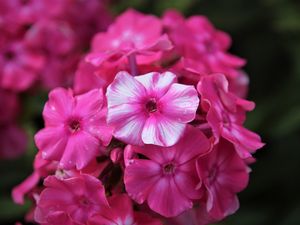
151 108
204 43
19 66
121 212
223 174
75 128
226 114
167 177
69 201
128 36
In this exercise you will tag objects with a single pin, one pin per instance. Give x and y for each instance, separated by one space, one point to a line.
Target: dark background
267 34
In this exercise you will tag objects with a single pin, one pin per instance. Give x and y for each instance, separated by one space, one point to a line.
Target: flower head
167 177
226 114
222 174
70 201
151 108
128 36
75 128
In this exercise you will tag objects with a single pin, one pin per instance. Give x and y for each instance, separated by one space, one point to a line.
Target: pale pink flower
127 36
226 114
120 212
167 178
151 108
69 201
75 128
222 174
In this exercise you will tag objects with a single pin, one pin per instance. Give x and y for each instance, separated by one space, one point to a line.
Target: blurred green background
267 34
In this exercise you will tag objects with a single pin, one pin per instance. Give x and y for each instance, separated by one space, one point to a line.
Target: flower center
151 105
84 202
74 126
169 168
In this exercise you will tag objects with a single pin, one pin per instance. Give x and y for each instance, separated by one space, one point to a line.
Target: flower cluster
152 131
41 43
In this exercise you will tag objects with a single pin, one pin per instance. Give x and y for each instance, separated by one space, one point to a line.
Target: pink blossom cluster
151 133
41 43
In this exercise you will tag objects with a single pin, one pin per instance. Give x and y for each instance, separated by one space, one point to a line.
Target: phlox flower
150 109
204 43
75 128
19 66
226 114
222 174
69 201
120 212
167 178
128 36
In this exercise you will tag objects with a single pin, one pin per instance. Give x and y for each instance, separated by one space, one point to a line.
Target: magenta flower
150 109
75 128
120 212
167 178
226 114
70 201
128 36
223 174
19 66
204 43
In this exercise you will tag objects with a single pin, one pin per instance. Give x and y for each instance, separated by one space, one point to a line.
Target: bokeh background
267 34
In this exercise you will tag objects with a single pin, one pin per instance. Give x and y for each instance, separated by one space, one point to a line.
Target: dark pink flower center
151 105
74 125
169 168
84 202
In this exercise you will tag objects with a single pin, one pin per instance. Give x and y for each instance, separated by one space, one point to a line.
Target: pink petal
80 150
221 203
180 103
89 104
139 178
157 84
124 89
22 189
58 107
162 131
52 142
193 144
128 121
166 199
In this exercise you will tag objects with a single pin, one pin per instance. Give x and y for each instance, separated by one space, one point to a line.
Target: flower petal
180 103
160 130
139 178
166 199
